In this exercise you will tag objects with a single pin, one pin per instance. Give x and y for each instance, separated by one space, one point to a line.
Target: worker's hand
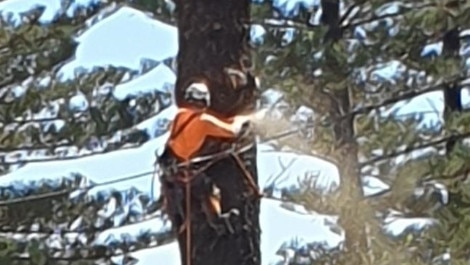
242 126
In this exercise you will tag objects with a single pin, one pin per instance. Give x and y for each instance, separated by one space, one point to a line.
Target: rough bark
331 18
352 217
212 37
452 95
343 129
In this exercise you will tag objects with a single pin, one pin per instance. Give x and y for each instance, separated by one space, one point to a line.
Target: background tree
343 127
358 94
32 55
372 50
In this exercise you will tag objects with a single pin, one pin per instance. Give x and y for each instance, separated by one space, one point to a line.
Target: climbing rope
190 174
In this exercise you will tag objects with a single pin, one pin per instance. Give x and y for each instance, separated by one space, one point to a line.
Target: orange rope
187 180
248 175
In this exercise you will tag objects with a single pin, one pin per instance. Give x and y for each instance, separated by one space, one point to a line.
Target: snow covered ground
107 42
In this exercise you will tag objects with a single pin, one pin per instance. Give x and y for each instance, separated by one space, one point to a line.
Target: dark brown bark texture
212 37
452 95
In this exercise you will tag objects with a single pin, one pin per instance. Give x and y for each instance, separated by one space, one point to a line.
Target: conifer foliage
388 83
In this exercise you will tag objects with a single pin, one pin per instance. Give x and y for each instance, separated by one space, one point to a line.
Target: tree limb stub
214 83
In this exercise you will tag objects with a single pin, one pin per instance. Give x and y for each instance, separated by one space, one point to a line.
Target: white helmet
198 91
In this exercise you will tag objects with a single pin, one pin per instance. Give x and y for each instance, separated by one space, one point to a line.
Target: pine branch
44 232
406 95
35 147
412 148
49 159
77 254
10 202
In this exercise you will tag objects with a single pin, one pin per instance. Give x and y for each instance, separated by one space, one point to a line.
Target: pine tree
334 61
32 55
333 64
213 42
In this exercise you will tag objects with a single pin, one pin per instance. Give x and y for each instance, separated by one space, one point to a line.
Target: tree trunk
213 36
351 218
452 95
351 213
213 40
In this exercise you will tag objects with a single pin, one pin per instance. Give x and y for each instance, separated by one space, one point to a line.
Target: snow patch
156 80
52 8
106 43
